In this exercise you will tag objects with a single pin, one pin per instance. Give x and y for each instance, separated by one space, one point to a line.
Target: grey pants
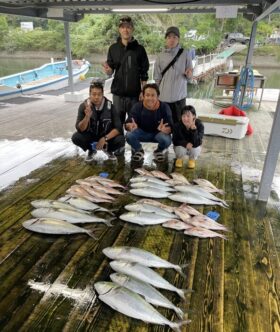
181 152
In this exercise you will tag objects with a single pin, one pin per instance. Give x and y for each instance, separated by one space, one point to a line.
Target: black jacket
102 123
131 66
182 136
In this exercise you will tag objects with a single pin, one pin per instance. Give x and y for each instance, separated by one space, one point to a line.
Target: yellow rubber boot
179 163
191 163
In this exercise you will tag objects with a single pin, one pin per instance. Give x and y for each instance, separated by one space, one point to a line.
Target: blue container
93 145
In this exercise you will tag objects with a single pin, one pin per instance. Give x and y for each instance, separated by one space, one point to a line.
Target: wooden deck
235 282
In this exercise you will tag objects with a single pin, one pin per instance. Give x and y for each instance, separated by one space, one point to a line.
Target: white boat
50 76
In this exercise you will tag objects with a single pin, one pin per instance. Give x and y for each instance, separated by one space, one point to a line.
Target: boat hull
53 82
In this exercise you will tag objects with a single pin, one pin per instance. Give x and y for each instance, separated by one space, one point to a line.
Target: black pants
123 105
176 109
84 140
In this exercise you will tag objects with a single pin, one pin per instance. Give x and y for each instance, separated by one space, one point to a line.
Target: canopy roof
74 10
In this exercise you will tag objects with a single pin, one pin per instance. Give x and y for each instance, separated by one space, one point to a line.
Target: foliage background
94 33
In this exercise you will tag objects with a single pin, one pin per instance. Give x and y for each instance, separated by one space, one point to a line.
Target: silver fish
68 215
150 180
150 294
200 192
48 203
191 198
151 185
105 181
156 203
206 222
143 218
143 207
131 304
100 187
179 177
176 224
149 192
54 226
203 232
141 256
83 204
143 171
145 274
207 185
80 192
160 175
189 209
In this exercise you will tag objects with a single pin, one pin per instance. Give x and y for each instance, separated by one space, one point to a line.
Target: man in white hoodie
173 81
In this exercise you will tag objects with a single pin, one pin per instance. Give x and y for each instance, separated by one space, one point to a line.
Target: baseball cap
174 30
126 20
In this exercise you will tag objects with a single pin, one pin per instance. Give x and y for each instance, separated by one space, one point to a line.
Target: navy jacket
149 120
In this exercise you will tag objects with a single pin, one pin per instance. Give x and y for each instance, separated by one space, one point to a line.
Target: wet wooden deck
235 282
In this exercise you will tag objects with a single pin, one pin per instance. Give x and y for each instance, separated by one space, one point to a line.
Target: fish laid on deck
131 304
83 204
54 227
105 181
208 186
180 178
160 175
70 216
203 232
145 274
199 192
152 185
191 198
141 256
100 187
149 192
150 294
146 207
143 218
48 203
148 179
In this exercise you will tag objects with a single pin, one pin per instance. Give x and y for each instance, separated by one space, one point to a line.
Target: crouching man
187 137
150 120
98 123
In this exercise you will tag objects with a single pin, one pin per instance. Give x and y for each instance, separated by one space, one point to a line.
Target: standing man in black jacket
129 63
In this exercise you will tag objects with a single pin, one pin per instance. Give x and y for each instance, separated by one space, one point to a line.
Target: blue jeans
138 135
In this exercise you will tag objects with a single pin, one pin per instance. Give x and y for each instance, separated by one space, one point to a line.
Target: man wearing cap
129 63
172 79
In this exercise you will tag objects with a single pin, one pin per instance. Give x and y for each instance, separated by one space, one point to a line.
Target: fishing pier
47 281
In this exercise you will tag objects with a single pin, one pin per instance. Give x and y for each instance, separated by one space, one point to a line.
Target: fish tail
177 326
180 271
91 234
181 293
108 223
179 312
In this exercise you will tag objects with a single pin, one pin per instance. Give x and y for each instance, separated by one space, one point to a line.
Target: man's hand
130 126
189 72
189 146
100 144
164 127
88 110
107 69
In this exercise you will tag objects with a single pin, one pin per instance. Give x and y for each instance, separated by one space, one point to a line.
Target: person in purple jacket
187 137
149 121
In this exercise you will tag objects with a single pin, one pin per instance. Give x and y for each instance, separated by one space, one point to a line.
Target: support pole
249 57
271 158
69 57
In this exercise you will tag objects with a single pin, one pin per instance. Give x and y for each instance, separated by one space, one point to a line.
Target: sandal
138 156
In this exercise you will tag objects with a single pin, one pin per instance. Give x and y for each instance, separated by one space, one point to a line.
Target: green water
203 90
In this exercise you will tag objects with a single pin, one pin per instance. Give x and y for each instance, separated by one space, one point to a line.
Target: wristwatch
106 138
